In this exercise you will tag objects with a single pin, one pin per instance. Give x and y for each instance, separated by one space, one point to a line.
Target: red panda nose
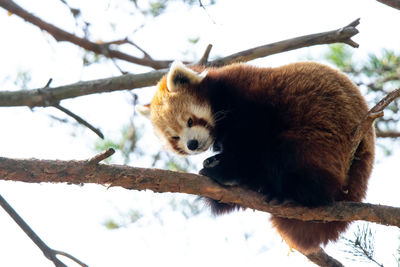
193 144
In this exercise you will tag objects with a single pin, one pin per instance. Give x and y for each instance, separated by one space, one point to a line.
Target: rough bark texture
78 172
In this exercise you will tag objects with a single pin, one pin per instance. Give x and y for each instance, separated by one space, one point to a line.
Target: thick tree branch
49 96
61 35
78 172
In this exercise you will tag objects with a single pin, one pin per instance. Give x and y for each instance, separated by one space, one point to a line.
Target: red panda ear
180 76
144 110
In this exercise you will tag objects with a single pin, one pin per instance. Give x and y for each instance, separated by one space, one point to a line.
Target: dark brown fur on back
297 121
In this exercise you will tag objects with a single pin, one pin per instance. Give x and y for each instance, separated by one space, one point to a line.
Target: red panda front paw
211 162
217 170
214 174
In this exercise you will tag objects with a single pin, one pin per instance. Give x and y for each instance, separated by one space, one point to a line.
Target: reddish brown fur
337 108
346 109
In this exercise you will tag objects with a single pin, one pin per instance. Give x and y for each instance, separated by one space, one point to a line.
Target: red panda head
180 118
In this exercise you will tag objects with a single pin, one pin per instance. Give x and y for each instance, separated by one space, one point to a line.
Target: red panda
285 132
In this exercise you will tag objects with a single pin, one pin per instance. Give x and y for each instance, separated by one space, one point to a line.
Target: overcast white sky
70 218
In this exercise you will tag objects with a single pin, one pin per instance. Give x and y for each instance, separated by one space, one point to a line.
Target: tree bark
81 172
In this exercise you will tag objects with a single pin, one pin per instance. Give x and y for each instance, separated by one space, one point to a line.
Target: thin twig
48 83
47 251
80 120
145 54
205 10
74 11
62 253
126 41
366 123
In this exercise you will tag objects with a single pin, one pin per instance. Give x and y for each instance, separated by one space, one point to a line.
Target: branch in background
50 96
78 172
73 115
368 121
61 35
322 259
74 11
79 120
392 3
387 134
47 251
342 35
205 10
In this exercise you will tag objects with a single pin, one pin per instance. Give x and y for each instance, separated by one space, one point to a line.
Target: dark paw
220 172
211 162
219 178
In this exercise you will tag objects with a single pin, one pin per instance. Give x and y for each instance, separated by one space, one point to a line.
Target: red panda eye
190 122
175 138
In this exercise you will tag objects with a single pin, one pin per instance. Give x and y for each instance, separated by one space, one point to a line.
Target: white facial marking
204 112
199 133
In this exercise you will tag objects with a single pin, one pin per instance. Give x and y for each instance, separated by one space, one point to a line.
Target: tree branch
373 113
387 134
392 3
47 251
322 259
49 96
61 35
80 120
78 172
342 35
204 59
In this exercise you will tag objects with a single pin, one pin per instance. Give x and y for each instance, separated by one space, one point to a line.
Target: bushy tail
308 236
219 208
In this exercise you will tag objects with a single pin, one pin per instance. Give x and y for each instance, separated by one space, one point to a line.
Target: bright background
71 218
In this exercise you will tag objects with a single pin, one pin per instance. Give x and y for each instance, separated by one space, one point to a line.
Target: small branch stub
204 59
100 157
